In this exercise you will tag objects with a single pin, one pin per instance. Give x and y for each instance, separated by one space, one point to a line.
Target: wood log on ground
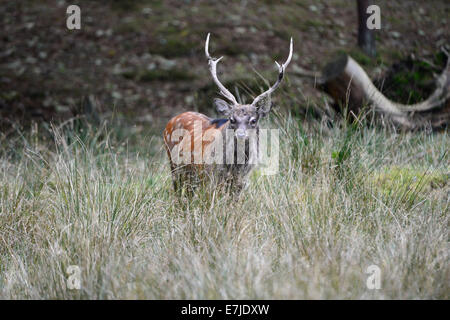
350 87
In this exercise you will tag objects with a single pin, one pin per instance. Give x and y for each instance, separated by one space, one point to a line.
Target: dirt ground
144 60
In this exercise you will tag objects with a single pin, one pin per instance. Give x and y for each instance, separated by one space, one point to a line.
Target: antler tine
213 69
281 69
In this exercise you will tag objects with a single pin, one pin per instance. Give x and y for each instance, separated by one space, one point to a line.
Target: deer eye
232 120
253 121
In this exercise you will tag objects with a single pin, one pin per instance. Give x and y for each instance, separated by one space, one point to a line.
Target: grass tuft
345 198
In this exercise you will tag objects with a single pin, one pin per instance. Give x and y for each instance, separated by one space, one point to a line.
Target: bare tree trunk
350 86
366 37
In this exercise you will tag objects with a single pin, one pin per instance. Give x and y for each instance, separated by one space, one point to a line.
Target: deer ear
263 105
222 106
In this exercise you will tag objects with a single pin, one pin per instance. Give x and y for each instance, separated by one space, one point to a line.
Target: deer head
244 116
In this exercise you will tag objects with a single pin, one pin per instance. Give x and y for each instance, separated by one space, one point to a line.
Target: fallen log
350 87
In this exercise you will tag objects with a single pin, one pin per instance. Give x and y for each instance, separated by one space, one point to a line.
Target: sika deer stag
221 150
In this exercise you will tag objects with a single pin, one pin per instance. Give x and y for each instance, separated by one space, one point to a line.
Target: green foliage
411 81
174 46
159 75
408 183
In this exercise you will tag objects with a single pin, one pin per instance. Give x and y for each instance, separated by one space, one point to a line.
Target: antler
213 69
280 76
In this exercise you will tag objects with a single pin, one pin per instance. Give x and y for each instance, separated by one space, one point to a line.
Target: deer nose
241 134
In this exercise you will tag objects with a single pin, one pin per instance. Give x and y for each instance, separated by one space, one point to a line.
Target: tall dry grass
345 198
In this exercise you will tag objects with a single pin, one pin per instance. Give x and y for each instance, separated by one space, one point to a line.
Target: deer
233 141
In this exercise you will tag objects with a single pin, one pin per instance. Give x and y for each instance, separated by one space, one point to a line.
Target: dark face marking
243 118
